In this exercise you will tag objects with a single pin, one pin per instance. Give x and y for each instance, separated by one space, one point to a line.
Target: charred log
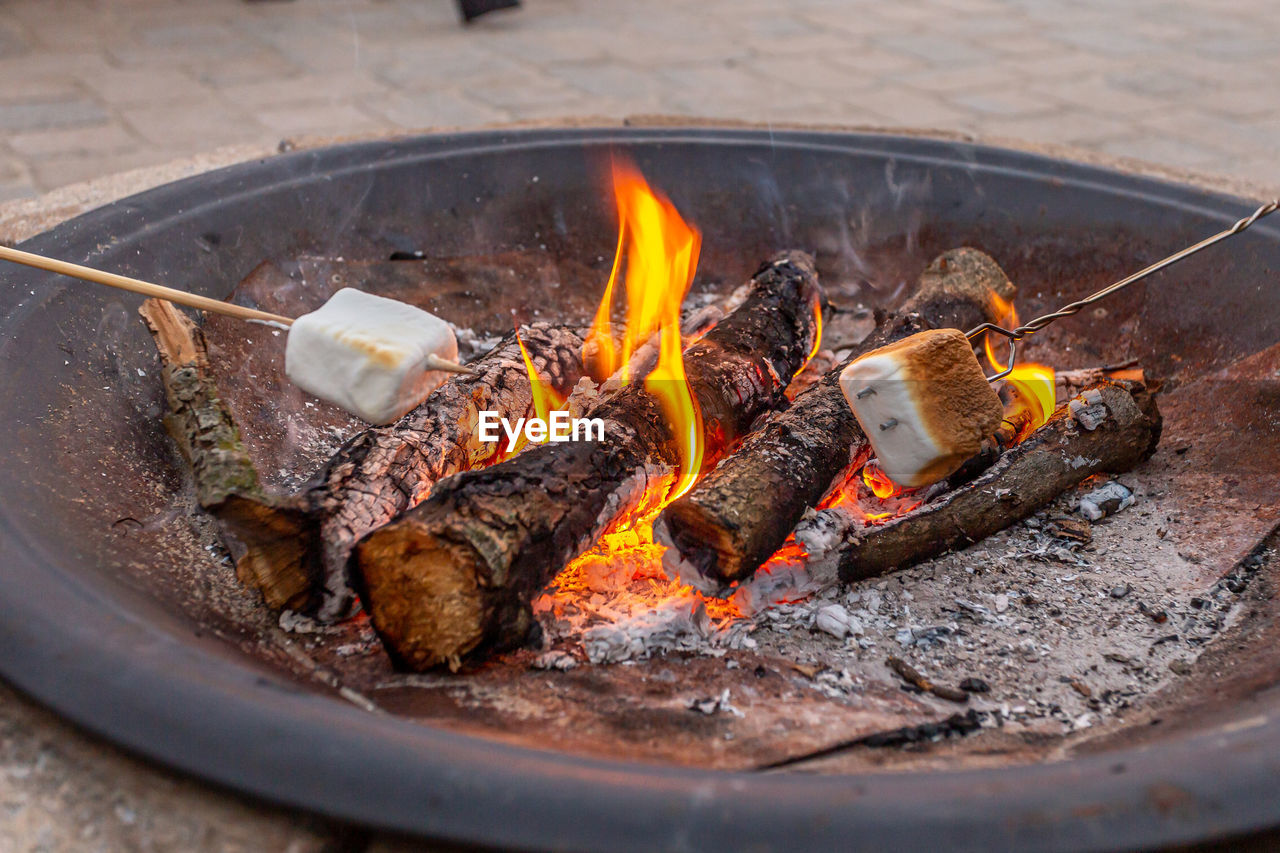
742 512
1061 454
384 471
455 576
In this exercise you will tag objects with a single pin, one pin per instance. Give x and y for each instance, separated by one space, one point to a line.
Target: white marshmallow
924 404
368 354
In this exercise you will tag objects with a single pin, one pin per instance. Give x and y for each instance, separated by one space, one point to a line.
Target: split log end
272 544
425 597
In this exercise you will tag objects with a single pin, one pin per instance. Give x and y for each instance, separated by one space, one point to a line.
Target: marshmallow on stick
375 357
924 404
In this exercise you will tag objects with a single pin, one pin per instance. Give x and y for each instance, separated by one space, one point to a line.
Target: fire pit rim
136 676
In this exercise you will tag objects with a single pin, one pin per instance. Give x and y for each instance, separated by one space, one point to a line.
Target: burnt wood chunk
1059 455
728 525
384 471
456 575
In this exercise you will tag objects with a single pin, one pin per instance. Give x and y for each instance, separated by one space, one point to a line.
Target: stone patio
89 88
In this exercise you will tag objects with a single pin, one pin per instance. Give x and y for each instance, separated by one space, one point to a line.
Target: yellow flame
1033 386
1008 318
661 255
817 333
545 401
1034 398
879 483
545 398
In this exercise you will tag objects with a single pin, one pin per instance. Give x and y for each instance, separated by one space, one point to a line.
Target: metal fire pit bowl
83 631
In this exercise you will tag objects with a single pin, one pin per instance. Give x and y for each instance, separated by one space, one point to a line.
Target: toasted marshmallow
368 354
924 404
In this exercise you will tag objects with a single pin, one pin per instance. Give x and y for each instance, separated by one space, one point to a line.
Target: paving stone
329 119
11 42
521 93
52 172
812 74
16 190
1066 127
198 127
1005 103
315 88
39 87
262 66
608 78
442 63
417 110
126 87
35 115
107 138
907 108
934 48
1097 94
89 88
1157 82
1164 149
571 44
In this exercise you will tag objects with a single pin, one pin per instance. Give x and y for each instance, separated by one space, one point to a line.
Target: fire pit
1133 689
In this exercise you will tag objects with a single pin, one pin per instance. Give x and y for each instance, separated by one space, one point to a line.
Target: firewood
456 575
1059 455
381 472
225 478
742 512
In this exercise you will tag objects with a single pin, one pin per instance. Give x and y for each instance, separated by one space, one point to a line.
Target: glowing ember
879 483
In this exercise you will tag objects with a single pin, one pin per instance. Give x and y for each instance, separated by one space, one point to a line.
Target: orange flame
545 397
545 401
1033 399
879 483
661 253
817 333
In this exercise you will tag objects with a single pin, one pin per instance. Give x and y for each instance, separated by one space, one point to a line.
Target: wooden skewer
181 297
123 282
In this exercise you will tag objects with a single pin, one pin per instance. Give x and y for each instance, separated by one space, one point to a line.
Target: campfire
725 478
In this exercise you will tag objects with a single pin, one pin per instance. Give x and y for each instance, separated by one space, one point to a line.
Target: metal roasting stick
1015 335
180 297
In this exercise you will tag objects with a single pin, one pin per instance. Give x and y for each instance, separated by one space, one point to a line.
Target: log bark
226 481
728 525
197 419
455 576
1061 454
384 471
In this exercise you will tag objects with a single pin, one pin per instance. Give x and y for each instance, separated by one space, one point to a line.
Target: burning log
743 511
383 471
294 549
1120 431
457 574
